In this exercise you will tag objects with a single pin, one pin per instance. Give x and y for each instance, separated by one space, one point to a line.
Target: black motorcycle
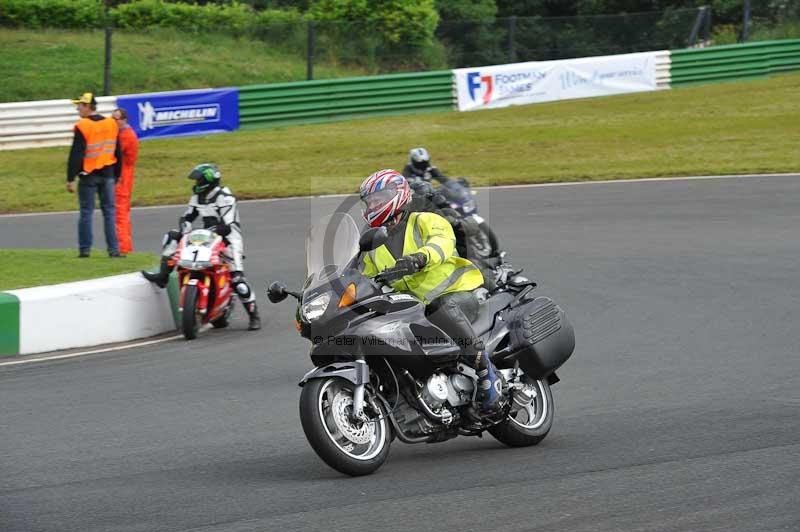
454 199
382 370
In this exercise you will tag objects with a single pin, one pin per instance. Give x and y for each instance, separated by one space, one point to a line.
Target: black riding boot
255 319
162 277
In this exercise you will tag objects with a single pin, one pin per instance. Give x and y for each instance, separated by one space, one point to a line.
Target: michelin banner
546 81
170 114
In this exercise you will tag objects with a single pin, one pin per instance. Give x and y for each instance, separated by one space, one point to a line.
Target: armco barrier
732 62
337 99
82 314
49 123
43 123
663 67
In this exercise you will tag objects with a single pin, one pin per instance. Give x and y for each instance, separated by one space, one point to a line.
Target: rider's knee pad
241 286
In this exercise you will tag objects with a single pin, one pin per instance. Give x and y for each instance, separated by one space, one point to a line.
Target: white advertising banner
546 81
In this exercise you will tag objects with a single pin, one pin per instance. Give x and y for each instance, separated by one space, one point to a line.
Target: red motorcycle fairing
221 282
213 284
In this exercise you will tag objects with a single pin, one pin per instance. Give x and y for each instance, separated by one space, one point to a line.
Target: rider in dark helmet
217 208
419 167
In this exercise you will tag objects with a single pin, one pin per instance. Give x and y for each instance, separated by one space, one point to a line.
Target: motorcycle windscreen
331 244
455 191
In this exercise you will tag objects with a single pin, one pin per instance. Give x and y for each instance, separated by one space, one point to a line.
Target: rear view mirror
276 292
373 239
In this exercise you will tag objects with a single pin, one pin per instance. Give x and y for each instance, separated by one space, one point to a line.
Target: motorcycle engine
461 389
434 393
413 421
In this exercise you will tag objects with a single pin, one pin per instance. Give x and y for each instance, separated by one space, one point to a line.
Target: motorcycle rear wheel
224 320
190 325
528 425
350 448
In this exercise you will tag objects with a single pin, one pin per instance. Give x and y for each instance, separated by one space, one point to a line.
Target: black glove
407 265
175 235
440 200
223 230
411 263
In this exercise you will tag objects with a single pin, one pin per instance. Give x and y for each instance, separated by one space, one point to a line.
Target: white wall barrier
546 81
90 313
43 123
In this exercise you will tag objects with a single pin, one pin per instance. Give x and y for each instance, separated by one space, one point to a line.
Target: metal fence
324 49
461 43
519 39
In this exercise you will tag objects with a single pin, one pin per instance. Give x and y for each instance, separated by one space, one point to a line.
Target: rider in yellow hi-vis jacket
444 272
424 244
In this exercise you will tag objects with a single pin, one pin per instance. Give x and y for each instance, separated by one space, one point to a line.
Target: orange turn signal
349 296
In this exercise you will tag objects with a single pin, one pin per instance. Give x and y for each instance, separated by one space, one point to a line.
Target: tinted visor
379 197
420 165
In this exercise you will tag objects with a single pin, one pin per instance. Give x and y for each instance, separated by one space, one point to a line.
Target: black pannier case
542 338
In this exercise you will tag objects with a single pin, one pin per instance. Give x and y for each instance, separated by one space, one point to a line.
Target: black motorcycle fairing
355 373
391 325
336 286
399 331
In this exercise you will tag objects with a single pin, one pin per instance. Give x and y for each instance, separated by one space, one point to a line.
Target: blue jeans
87 188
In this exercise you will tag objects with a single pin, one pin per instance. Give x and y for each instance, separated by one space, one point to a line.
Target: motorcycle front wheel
189 322
352 447
530 418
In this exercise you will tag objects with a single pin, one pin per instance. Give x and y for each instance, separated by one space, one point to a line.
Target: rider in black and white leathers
216 206
218 210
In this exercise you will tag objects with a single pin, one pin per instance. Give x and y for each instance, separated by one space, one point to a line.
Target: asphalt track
680 409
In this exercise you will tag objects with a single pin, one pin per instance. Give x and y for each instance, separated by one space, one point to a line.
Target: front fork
362 378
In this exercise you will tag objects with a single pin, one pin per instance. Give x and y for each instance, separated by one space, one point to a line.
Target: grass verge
51 64
22 268
727 128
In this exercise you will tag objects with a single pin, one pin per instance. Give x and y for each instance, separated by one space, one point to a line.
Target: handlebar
390 275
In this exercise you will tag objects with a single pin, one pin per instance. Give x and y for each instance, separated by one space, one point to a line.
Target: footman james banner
545 81
169 114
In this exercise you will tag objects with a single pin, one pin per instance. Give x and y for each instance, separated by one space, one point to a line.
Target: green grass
21 268
51 64
727 128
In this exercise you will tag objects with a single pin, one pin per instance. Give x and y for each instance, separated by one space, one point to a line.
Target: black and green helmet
206 176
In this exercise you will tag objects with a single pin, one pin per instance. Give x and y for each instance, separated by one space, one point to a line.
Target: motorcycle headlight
468 206
316 307
192 265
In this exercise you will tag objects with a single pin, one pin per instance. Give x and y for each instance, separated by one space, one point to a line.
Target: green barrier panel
308 102
173 291
734 62
9 325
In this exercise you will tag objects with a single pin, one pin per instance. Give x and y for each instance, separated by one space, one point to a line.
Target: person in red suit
129 145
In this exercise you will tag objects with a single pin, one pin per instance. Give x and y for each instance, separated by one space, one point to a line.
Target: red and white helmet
384 194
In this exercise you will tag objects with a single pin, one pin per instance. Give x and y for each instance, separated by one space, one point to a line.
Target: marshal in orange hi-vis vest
101 141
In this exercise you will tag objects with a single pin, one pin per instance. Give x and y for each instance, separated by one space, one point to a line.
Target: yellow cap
86 97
